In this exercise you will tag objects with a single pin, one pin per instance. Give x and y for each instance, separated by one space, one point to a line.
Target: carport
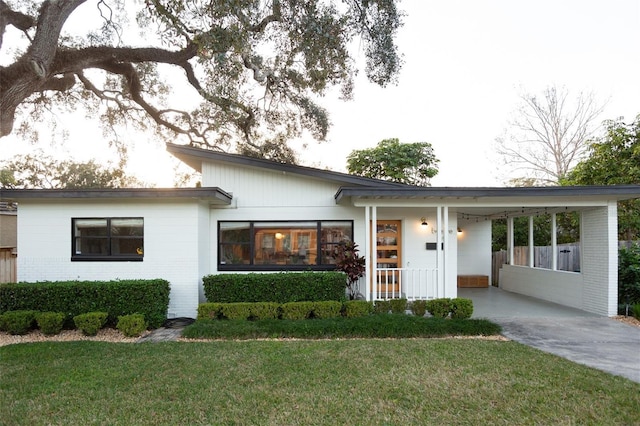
470 211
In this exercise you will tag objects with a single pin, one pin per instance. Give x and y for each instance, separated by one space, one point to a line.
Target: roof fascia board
611 193
181 151
210 194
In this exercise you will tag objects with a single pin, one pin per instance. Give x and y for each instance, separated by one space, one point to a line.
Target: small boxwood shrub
50 323
235 311
296 310
131 325
210 311
357 308
439 308
461 308
636 311
264 310
382 306
91 322
327 309
280 287
419 307
18 322
398 306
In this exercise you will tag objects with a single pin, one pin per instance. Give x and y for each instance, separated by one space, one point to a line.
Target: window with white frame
110 238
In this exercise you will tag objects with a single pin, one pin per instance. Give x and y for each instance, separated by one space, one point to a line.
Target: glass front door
388 250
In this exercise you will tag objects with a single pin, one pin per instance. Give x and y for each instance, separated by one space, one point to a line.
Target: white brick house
252 215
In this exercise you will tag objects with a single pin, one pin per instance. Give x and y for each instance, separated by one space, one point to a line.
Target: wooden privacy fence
8 272
568 258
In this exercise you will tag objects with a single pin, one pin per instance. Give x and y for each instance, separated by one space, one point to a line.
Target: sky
465 65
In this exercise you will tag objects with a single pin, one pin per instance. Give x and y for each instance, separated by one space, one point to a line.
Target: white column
510 239
439 255
531 247
374 262
367 252
554 242
445 249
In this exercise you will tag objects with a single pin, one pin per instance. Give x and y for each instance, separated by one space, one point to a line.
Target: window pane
90 227
96 246
129 246
285 243
333 233
234 232
130 227
235 254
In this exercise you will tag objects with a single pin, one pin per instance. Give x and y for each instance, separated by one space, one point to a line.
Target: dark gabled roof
611 192
195 156
212 195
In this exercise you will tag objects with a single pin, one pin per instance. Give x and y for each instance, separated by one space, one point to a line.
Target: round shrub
18 322
50 323
91 322
131 325
382 307
419 307
461 308
439 308
296 310
327 309
398 306
357 308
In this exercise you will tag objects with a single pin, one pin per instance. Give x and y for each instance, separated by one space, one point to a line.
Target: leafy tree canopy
39 171
408 163
251 69
614 160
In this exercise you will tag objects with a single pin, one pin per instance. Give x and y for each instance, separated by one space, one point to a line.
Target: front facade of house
253 215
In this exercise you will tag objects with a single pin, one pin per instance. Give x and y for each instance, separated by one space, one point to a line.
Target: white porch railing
408 283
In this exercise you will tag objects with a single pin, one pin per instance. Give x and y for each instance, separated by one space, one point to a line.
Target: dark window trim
276 268
105 258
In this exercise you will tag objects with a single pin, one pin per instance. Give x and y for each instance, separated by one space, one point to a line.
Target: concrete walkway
599 342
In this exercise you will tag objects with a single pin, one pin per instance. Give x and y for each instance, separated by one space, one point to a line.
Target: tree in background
549 134
408 163
39 171
254 66
614 160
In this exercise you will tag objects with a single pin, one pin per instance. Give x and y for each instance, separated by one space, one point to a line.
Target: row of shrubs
280 287
120 297
52 323
458 308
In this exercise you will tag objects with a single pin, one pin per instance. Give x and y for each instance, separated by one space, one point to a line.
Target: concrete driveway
599 342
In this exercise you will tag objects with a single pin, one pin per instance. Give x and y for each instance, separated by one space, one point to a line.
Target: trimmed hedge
121 297
439 308
296 310
461 308
279 287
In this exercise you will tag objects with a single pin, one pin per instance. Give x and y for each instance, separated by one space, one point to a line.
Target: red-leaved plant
348 261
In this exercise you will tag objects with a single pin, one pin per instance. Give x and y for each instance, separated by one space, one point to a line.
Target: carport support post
554 243
531 246
510 239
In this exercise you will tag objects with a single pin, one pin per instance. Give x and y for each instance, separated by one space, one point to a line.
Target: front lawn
284 382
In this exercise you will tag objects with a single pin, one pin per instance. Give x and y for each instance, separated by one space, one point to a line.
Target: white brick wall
599 263
171 243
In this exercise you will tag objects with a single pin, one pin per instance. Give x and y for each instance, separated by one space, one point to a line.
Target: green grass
373 326
306 382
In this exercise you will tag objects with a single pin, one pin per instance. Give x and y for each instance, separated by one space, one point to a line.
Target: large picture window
278 245
115 238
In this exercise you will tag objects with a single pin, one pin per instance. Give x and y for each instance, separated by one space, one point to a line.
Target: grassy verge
373 326
361 381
